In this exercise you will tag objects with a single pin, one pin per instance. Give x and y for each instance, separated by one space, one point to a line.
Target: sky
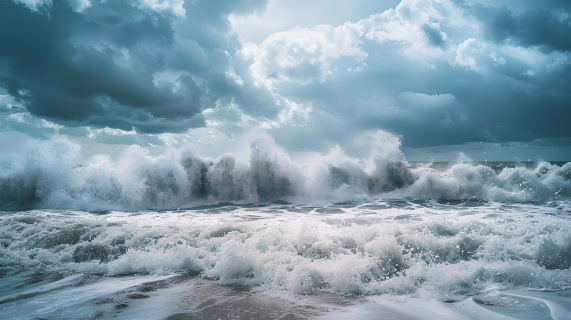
488 79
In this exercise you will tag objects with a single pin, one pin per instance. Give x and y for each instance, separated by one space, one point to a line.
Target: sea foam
48 174
447 251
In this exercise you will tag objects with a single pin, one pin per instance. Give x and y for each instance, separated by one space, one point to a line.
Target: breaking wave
299 256
49 175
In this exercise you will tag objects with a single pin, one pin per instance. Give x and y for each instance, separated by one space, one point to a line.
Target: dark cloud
62 63
532 27
97 67
434 36
502 106
207 25
121 23
207 22
120 65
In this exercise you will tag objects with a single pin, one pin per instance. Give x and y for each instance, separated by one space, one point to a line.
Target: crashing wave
50 175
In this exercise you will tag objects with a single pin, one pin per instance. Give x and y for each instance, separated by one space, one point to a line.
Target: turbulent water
185 237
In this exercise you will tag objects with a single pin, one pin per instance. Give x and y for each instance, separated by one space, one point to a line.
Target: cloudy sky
489 78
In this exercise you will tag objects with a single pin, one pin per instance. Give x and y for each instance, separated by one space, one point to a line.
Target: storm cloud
99 67
434 72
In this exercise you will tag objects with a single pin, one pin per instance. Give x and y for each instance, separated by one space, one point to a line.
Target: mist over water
111 232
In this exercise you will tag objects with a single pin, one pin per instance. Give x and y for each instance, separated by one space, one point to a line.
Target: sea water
175 237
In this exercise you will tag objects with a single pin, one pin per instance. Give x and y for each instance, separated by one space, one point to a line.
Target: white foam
445 254
48 174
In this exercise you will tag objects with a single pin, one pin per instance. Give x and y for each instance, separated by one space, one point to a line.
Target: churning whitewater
48 175
476 237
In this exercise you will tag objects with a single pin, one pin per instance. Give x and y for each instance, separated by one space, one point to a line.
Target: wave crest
49 175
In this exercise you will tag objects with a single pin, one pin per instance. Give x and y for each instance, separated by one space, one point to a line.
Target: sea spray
48 174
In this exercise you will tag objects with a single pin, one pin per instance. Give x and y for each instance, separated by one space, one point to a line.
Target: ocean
187 237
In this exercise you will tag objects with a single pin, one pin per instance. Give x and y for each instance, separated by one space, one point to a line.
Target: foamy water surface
186 237
63 261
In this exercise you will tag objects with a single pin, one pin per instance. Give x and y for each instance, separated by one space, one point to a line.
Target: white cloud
168 138
416 24
536 60
93 132
223 114
497 60
33 4
7 102
18 117
168 77
294 113
558 61
48 124
231 73
528 73
302 55
530 56
77 5
280 15
468 52
172 6
357 69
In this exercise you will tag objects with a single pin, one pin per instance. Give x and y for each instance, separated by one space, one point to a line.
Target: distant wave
48 175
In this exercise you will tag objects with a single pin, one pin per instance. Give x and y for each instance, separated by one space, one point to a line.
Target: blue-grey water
196 238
